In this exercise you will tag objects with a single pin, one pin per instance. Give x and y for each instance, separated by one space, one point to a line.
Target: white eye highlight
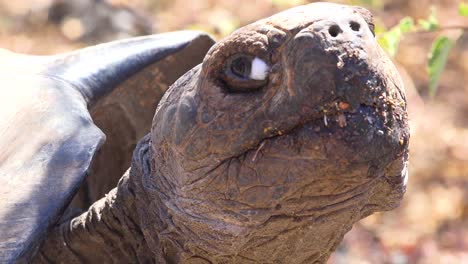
404 173
259 69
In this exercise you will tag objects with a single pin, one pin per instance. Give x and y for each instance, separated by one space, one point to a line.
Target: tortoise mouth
333 166
361 129
320 168
363 135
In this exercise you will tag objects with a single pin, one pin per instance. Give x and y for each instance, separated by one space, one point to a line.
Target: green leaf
437 61
406 24
463 9
431 23
379 27
390 40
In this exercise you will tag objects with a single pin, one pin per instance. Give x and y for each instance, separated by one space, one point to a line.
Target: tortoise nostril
334 30
354 25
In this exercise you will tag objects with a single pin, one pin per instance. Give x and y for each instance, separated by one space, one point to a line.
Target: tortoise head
292 129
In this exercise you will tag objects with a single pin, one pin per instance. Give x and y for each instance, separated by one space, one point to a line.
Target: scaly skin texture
280 173
109 232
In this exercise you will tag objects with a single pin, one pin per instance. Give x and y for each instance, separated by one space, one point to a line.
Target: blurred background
431 225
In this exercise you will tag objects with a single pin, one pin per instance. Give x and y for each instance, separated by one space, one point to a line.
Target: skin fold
246 171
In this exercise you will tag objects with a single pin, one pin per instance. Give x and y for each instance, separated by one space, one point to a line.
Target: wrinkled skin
276 174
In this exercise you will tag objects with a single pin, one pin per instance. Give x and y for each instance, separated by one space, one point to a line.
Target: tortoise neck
108 232
180 228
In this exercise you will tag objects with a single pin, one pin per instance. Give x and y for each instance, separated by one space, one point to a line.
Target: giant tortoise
285 134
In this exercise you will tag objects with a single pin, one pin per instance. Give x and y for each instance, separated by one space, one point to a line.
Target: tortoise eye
241 67
245 73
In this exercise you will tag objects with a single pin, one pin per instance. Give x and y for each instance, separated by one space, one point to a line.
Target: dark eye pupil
241 67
